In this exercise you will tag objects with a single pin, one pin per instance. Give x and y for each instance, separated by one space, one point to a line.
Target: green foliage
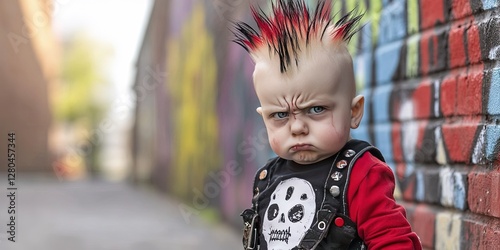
81 100
81 79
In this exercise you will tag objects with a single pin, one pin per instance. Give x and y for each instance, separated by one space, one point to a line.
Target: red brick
481 233
447 100
473 44
400 171
397 151
422 127
460 8
484 193
422 99
428 61
469 92
431 13
424 54
458 138
456 49
423 222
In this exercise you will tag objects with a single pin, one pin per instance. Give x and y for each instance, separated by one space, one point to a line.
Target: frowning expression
308 110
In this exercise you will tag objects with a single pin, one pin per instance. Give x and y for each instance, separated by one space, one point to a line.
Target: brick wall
430 72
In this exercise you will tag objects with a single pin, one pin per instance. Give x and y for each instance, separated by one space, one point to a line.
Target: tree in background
80 104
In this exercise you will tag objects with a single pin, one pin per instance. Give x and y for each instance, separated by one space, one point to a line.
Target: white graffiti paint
478 155
452 188
447 230
494 53
437 86
409 134
446 185
441 156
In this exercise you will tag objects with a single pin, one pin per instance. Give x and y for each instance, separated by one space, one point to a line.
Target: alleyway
98 215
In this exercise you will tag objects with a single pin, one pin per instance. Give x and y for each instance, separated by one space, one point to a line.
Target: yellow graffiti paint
375 12
336 9
412 14
412 56
192 90
360 6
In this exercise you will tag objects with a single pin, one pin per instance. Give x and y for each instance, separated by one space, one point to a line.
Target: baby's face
307 112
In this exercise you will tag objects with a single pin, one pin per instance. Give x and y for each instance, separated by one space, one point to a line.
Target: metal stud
341 164
262 174
349 153
334 191
256 192
337 176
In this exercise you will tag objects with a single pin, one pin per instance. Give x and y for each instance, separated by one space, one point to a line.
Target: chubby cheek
275 145
340 124
336 132
275 138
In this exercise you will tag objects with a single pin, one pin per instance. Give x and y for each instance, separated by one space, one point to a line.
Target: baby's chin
306 157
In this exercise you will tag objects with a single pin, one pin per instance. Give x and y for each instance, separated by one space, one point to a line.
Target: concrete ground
99 215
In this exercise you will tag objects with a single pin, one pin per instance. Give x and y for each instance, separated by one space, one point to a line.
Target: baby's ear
357 109
259 110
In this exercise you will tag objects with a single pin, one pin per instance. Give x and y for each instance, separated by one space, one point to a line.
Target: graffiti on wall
432 87
192 89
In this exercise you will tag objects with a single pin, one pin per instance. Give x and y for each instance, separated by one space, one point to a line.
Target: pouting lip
300 147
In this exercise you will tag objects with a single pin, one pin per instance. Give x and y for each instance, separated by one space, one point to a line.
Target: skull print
290 213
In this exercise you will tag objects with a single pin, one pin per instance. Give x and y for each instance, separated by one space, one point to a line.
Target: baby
324 190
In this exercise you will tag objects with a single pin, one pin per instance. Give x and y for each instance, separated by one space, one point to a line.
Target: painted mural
431 81
192 89
430 74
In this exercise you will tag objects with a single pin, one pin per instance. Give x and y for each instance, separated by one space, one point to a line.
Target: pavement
99 215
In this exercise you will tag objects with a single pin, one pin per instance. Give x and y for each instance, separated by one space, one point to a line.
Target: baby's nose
298 126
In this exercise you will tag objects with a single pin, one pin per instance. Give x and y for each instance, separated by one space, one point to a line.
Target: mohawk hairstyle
291 23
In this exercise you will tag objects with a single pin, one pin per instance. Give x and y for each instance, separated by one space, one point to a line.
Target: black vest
332 228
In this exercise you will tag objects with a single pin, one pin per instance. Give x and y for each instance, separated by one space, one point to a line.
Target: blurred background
135 123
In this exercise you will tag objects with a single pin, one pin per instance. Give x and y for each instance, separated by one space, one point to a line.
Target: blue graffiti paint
492 141
493 131
383 140
494 97
361 133
386 62
392 24
409 169
420 186
366 40
459 195
380 103
489 4
363 69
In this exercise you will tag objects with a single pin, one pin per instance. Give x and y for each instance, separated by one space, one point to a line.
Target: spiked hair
292 24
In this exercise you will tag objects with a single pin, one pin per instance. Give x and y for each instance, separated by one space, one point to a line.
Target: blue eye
279 115
316 110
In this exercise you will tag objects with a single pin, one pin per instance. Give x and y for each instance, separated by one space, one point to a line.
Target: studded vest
329 226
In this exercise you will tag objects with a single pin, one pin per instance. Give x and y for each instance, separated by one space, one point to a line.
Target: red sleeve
381 223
